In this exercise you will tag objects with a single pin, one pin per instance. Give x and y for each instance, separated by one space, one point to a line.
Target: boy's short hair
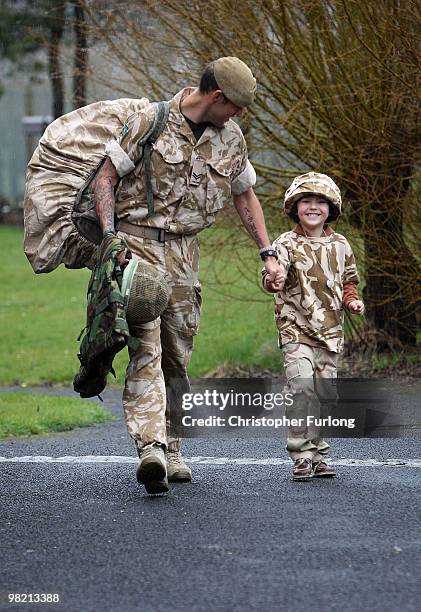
333 211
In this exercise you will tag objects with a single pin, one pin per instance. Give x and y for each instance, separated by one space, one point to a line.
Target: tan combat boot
152 470
177 469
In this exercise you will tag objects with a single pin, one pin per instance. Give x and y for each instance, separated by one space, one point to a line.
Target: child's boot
322 470
302 469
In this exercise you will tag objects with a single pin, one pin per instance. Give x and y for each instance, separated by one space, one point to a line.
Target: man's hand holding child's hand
356 307
276 284
273 275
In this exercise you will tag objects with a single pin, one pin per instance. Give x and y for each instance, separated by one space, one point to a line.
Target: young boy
320 280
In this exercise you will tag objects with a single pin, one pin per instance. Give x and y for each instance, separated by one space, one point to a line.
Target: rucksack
106 332
120 299
60 222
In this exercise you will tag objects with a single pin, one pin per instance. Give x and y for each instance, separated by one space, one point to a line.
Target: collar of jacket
177 117
299 230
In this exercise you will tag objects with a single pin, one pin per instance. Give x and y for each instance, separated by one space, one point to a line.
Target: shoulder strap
162 110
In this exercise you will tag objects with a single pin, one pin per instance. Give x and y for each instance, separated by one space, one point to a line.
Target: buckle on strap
161 235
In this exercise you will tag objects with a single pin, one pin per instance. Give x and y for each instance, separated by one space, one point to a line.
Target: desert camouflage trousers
311 378
157 371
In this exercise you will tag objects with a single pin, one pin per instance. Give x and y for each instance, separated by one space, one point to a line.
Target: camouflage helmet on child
313 183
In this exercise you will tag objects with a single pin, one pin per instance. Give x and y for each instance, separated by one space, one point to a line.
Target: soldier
199 165
319 279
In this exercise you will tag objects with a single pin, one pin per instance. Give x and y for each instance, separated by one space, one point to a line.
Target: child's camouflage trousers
311 378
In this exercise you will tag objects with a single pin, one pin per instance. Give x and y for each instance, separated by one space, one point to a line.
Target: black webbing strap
162 110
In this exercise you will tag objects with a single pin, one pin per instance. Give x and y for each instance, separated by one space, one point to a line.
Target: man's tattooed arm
251 226
251 214
105 183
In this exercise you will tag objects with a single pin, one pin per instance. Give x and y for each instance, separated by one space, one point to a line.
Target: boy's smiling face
313 211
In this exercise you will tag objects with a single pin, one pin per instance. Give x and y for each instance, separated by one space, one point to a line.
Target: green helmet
145 291
313 183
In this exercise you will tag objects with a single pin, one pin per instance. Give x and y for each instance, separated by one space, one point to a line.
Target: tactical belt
141 231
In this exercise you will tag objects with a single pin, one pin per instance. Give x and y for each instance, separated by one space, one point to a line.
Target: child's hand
356 307
276 284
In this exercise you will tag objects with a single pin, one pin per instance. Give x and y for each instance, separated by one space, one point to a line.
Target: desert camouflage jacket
307 310
191 180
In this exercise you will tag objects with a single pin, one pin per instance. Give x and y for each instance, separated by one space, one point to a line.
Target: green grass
22 414
237 324
382 361
41 315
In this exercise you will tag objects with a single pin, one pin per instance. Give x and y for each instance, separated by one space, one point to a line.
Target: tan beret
235 79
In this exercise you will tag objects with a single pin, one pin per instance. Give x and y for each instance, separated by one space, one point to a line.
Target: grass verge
24 414
41 315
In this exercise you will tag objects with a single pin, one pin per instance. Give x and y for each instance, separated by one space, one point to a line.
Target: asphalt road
239 537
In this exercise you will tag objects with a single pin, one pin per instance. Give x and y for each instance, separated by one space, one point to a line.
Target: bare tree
81 55
31 25
55 29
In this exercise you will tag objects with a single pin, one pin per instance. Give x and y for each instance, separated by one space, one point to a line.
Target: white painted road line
412 463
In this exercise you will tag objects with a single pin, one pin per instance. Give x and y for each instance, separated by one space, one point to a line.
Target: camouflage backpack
106 328
60 221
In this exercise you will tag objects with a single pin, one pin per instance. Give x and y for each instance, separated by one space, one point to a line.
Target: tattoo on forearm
105 203
249 219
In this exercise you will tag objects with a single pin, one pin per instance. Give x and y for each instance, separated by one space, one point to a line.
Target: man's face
313 211
221 110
